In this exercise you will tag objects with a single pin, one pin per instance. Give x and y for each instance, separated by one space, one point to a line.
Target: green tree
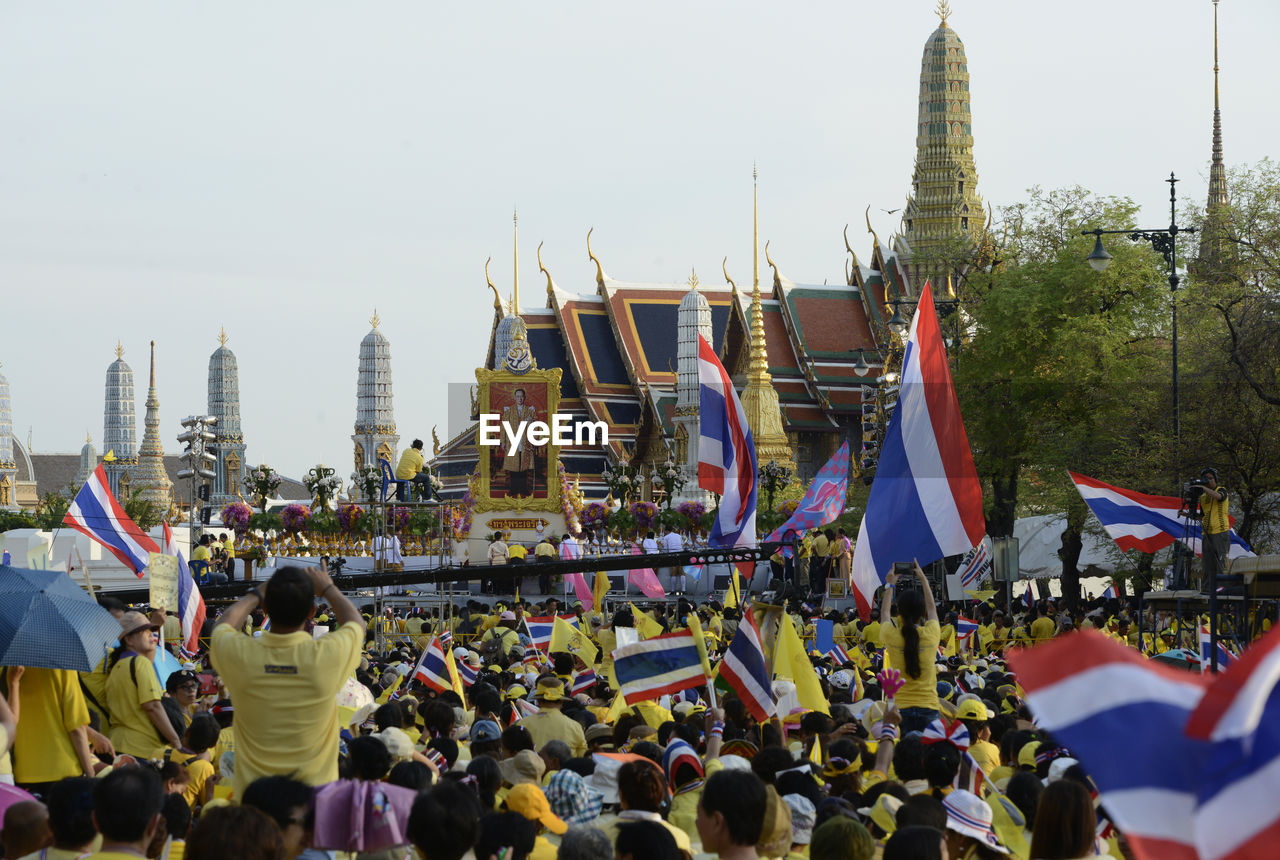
143 512
50 510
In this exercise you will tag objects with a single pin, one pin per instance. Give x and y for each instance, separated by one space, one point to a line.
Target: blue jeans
917 719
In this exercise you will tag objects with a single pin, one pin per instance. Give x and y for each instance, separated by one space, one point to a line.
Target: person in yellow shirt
410 468
51 739
974 714
947 636
911 644
1216 526
819 563
804 552
1042 629
139 725
228 550
284 683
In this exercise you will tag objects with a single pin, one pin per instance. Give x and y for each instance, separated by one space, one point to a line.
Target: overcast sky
283 168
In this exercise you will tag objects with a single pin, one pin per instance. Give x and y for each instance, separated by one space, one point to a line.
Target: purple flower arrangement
295 517
235 516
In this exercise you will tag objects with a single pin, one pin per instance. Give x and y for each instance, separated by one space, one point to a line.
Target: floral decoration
295 517
235 516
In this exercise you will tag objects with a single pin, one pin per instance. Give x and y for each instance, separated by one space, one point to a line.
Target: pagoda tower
760 398
375 430
150 476
8 466
119 422
1215 206
88 460
224 404
693 319
943 211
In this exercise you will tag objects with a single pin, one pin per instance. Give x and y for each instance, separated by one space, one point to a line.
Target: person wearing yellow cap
529 801
974 714
549 723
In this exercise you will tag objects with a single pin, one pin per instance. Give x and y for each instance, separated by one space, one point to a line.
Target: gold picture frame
836 589
547 383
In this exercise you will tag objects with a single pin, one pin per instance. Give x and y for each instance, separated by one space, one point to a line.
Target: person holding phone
911 646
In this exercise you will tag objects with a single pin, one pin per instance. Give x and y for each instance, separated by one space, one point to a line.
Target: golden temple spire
375 319
88 438
119 350
1217 170
222 337
943 11
760 398
693 277
515 261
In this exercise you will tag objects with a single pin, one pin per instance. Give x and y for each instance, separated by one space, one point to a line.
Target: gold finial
871 229
515 261
592 257
551 289
88 438
777 279
222 337
119 350
852 253
951 291
497 300
435 442
693 278
755 228
375 319
943 11
724 268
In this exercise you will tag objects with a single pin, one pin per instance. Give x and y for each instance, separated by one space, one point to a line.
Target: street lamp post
1164 241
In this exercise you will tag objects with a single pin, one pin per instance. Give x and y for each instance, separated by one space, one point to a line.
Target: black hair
417 443
1024 790
914 843
502 829
908 758
646 839
389 715
642 786
278 797
111 604
70 803
741 798
203 733
562 663
447 747
910 611
486 699
769 761
516 738
289 597
443 822
125 801
438 718
368 758
922 811
177 816
410 774
488 778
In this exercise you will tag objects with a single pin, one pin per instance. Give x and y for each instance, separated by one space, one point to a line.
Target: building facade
224 405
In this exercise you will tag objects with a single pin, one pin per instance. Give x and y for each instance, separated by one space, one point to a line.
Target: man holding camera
1215 528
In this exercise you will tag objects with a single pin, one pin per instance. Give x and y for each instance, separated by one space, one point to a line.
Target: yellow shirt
198 773
820 546
804 549
684 812
544 550
284 688
201 553
921 692
1042 629
871 634
229 547
1215 513
226 744
410 464
986 754
95 683
52 706
551 725
517 551
132 683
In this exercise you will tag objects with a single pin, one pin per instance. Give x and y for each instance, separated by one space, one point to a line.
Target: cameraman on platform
1215 527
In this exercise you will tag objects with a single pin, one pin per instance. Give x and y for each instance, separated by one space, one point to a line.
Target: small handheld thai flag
970 776
744 669
433 668
1111 593
655 667
965 628
466 674
191 608
1028 597
532 657
838 655
1225 657
540 628
446 638
96 513
584 681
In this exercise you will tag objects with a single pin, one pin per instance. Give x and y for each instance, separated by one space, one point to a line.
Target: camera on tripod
1191 493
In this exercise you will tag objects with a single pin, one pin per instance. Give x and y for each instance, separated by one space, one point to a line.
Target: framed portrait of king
517 475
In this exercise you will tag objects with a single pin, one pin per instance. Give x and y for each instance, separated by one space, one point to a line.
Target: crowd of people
246 752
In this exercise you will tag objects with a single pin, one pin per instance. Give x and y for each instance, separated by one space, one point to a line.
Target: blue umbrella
46 620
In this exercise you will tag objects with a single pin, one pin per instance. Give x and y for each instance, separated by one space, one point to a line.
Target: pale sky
282 168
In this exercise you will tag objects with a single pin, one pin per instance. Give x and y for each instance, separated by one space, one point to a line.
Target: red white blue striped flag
726 452
744 669
656 667
96 513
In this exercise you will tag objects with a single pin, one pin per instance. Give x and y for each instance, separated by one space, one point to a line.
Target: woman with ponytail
911 646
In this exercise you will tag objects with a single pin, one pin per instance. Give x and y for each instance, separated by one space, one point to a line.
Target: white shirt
649 545
570 549
672 542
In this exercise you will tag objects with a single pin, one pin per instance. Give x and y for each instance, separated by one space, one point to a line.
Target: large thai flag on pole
1188 765
823 502
726 452
1142 522
926 501
96 513
743 668
191 608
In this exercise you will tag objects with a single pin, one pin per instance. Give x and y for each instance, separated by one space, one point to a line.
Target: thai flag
838 655
656 667
584 681
1142 522
433 668
96 513
965 628
446 638
191 609
976 565
744 669
532 657
540 627
823 502
1187 764
926 501
1225 657
466 674
1111 593
1028 597
726 453
970 776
